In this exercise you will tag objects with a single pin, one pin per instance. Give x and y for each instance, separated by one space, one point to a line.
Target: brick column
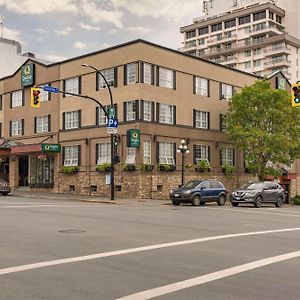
14 172
56 173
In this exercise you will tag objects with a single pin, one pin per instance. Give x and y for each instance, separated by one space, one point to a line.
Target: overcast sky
59 29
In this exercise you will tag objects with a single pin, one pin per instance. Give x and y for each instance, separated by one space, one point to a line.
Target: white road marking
43 205
134 250
177 286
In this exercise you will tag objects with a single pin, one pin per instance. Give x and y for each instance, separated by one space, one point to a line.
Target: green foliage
262 122
296 199
69 169
103 167
228 170
165 167
147 167
129 167
203 165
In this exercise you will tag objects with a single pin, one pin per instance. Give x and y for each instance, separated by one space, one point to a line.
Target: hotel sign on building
27 75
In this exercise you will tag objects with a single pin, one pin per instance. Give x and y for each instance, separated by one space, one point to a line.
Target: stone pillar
14 172
56 173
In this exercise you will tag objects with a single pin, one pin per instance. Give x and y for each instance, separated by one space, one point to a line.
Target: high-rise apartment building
259 37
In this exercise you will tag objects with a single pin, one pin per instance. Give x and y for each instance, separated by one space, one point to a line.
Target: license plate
176 195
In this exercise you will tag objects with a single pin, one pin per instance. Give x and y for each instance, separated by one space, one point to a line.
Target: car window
215 184
205 185
268 186
192 184
253 186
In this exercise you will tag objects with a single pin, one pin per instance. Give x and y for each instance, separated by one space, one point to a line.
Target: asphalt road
54 249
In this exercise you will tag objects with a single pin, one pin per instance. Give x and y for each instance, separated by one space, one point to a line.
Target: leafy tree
262 122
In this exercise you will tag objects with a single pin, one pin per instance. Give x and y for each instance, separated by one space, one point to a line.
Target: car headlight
250 193
187 192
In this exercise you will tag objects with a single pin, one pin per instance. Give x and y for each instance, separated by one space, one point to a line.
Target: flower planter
167 168
69 169
129 167
103 168
147 167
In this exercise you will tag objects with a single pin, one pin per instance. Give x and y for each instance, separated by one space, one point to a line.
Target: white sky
59 29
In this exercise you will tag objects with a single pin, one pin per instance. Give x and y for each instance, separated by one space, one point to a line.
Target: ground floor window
41 171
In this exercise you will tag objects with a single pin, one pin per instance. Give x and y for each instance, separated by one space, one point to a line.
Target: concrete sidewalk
86 198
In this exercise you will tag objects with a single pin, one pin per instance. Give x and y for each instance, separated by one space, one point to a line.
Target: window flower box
129 167
203 165
166 167
69 169
105 167
147 167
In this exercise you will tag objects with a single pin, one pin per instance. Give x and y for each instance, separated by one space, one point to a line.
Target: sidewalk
85 198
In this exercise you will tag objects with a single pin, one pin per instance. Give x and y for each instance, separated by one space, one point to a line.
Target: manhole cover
71 231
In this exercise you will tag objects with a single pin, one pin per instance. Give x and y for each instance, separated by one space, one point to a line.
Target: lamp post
182 148
112 154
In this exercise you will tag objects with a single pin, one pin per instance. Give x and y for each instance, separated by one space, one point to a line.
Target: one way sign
112 123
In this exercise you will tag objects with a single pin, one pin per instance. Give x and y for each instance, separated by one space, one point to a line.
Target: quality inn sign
27 75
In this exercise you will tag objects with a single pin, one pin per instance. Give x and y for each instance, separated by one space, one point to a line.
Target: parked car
4 187
198 192
257 193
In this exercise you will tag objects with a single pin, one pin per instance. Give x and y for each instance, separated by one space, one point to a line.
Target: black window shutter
137 72
49 94
142 110
0 129
157 152
23 125
63 155
194 84
79 85
79 155
10 128
157 76
79 118
97 153
152 111
137 115
49 123
174 80
142 72
174 152
208 120
152 74
232 90
174 115
220 90
220 153
97 81
115 77
208 88
34 124
0 102
233 156
97 114
194 117
116 110
10 102
125 111
157 112
125 75
23 97
64 120
194 154
208 154
220 121
64 88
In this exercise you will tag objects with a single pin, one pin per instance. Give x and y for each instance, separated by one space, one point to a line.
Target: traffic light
116 139
295 94
35 97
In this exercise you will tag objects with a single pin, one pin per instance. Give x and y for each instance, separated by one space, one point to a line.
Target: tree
262 122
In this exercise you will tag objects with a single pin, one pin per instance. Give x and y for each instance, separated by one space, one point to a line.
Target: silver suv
257 193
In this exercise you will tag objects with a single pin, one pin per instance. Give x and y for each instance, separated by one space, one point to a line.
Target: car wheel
4 193
222 200
234 203
279 202
175 202
258 201
196 201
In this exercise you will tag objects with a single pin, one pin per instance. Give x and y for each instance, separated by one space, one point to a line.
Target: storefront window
41 171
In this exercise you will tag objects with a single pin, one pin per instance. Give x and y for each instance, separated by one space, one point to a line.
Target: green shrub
166 167
296 199
228 170
129 167
69 169
103 167
203 165
147 167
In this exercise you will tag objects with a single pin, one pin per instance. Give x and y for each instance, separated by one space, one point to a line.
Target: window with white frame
147 152
130 111
202 119
147 113
227 156
44 96
130 155
147 73
201 86
17 98
248 65
166 113
102 118
166 153
42 124
71 155
166 78
201 152
72 86
71 119
227 91
16 128
104 153
109 75
131 73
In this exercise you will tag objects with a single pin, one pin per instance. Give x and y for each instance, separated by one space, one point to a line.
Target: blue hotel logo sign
27 75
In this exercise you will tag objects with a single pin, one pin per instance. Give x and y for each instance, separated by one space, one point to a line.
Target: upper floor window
259 15
244 20
230 23
130 73
271 15
227 156
71 155
216 27
223 122
17 98
166 113
147 112
201 86
42 124
110 76
130 110
130 155
201 152
203 30
226 91
17 127
44 96
72 85
247 64
166 78
190 34
148 73
71 119
147 152
103 153
166 153
101 116
201 119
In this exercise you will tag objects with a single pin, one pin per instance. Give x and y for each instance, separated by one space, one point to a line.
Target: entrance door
23 170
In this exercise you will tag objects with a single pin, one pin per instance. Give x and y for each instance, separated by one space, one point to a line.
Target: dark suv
197 192
257 193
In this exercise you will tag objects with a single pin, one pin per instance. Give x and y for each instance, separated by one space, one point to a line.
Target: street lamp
112 175
182 148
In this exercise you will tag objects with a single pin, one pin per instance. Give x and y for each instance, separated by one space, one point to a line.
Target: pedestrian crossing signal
35 97
295 94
